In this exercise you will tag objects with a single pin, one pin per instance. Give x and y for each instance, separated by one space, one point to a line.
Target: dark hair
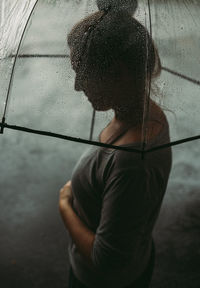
103 40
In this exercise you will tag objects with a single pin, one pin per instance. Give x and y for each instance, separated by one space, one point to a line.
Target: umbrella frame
4 125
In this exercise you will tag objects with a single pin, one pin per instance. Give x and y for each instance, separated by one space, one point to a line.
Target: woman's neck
129 115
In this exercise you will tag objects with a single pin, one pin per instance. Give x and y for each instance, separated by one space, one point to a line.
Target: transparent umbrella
37 81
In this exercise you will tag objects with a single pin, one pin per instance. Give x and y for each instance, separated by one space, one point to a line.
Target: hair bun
129 6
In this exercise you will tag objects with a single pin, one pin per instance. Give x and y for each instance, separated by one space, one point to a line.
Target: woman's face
108 93
98 93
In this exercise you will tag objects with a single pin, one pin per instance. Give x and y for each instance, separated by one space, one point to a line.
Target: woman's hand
66 197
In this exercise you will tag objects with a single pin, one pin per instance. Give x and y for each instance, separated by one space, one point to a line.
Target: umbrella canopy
37 78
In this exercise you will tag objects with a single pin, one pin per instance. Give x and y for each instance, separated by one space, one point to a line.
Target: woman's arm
81 235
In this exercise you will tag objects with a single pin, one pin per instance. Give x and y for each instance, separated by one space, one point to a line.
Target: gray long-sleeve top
118 196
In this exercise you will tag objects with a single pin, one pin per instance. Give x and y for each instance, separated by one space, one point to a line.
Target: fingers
68 183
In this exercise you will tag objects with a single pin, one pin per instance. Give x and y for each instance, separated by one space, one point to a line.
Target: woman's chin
96 107
100 107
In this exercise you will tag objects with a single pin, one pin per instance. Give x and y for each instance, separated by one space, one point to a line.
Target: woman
111 205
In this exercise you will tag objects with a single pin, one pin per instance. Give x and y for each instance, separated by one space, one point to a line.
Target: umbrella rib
40 56
95 143
65 137
92 124
13 68
146 117
173 143
181 75
190 79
